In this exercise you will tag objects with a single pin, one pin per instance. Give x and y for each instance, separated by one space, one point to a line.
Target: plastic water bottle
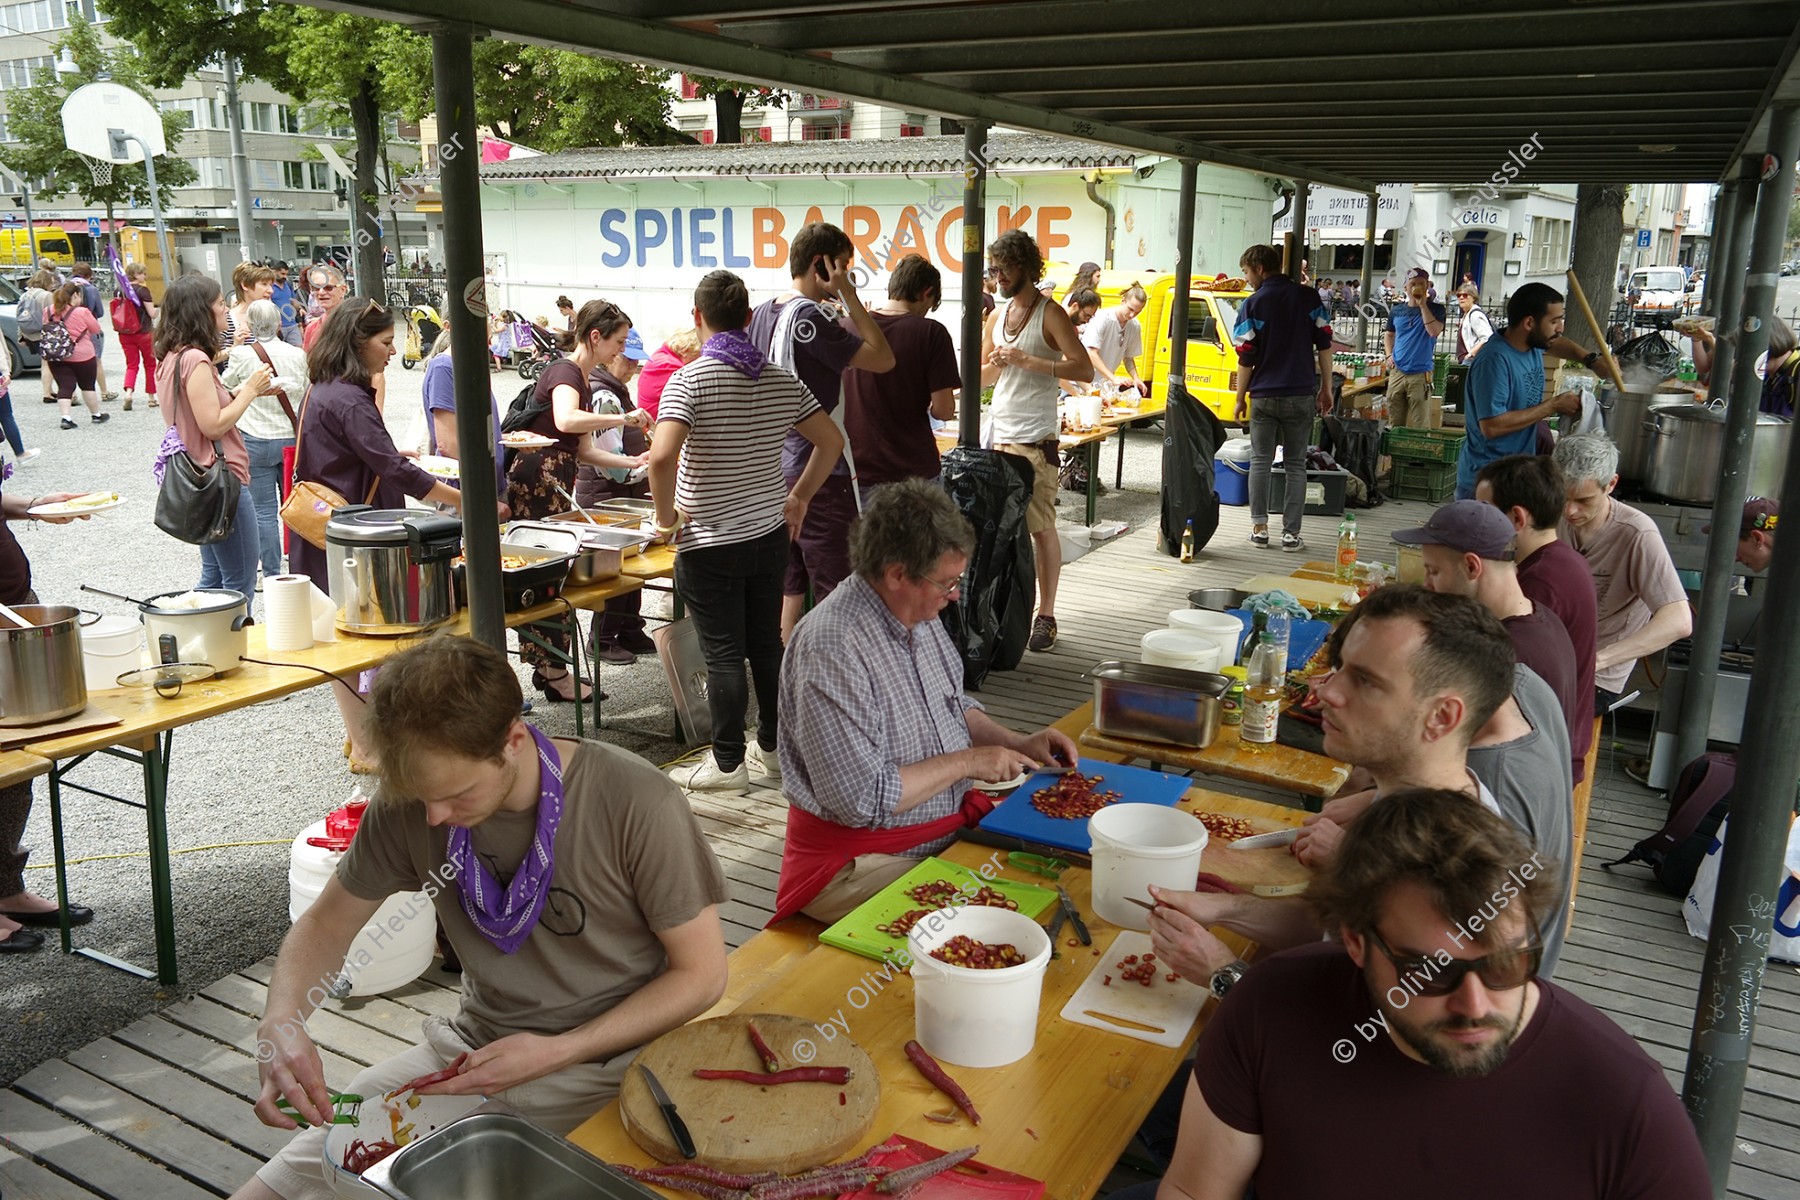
1346 549
1262 695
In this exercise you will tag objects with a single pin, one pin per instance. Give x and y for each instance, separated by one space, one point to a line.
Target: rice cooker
390 568
201 625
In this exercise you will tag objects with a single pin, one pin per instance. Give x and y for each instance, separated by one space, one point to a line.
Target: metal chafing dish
598 551
1158 704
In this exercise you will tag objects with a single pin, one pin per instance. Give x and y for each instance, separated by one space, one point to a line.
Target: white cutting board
1161 1013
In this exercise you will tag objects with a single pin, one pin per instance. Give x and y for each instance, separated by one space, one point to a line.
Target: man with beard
1505 387
1434 965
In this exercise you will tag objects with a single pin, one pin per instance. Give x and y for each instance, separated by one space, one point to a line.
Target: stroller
423 324
534 347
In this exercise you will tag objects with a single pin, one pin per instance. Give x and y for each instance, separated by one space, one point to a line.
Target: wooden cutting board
747 1127
1272 871
1313 593
1161 1013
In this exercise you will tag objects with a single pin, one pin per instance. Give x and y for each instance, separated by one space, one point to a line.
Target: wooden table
1281 767
19 766
1148 409
1062 1114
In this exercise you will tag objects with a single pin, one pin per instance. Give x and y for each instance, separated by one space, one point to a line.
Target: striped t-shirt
730 483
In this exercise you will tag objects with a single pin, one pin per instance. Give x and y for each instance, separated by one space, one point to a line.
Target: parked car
1657 293
20 355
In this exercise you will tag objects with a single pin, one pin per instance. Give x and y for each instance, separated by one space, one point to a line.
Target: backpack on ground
57 342
30 312
1697 806
126 316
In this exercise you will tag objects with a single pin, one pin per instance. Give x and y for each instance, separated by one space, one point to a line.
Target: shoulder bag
196 504
309 505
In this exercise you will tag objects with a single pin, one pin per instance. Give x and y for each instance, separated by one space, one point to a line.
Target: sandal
544 684
357 766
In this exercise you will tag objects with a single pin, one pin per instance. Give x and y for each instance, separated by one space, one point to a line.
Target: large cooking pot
390 568
41 677
201 625
1626 414
1687 445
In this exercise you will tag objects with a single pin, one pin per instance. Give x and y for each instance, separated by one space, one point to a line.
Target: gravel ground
254 776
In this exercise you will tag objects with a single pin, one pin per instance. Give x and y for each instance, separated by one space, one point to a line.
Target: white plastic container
1088 410
1136 845
110 647
1179 648
970 1017
1222 629
393 949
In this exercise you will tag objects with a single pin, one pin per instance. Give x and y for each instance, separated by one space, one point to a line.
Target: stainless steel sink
498 1155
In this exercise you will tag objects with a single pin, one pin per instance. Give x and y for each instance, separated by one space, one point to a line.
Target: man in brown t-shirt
888 414
570 877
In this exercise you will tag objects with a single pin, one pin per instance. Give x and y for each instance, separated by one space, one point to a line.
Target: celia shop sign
742 237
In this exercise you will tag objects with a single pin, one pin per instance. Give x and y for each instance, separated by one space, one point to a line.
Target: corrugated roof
919 155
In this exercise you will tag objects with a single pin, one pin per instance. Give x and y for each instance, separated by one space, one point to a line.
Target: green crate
1440 363
1431 482
1425 445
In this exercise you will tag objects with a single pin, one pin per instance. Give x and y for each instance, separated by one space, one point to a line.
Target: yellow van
1211 361
51 240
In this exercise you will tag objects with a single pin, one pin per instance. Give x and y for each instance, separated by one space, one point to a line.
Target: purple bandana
170 447
506 916
736 350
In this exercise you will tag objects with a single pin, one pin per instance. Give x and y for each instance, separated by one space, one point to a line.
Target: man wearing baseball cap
1412 331
1756 532
1468 551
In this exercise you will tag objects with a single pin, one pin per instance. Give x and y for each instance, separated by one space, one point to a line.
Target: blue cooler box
1231 472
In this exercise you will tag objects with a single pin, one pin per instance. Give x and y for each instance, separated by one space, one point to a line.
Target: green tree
40 153
730 98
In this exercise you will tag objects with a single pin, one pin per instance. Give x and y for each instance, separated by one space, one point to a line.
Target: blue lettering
675 229
646 219
732 258
610 220
698 237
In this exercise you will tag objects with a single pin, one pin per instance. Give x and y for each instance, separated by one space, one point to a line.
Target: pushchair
423 324
534 347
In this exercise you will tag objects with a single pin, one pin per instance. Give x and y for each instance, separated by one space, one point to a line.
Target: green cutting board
856 932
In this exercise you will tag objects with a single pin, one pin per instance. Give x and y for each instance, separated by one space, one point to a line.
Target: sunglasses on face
1501 971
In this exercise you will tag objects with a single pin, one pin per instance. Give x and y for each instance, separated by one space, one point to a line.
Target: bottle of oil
1187 542
1262 692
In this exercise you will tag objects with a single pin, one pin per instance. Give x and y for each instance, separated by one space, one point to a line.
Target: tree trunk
365 117
1599 223
729 107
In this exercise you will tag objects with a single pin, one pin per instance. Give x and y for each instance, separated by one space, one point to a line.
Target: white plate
1009 786
433 1113
440 467
526 441
66 508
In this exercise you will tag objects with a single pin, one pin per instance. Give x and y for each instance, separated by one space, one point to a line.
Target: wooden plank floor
160 1110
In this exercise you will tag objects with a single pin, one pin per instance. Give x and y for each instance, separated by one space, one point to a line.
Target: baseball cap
1760 513
1467 526
1413 273
634 347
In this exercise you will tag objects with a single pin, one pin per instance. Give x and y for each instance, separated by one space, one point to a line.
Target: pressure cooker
389 568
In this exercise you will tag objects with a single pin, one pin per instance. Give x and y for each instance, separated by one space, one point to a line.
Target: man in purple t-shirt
888 416
801 332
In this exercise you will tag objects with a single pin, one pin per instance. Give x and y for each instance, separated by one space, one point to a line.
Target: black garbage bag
1191 433
1355 442
990 621
1649 352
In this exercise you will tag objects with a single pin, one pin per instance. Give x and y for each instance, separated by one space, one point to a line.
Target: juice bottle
1262 695
1346 549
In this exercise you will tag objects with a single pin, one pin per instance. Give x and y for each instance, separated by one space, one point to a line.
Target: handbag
280 393
197 504
309 504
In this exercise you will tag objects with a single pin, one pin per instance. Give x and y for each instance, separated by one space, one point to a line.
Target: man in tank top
1028 345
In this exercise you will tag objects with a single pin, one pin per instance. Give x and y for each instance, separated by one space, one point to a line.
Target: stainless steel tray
1158 704
496 1154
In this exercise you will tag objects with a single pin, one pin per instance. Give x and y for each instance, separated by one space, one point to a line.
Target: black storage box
1324 491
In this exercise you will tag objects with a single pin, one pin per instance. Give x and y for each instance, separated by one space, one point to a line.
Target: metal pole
974 260
1734 261
162 230
1724 223
31 254
1301 187
1365 284
459 180
240 165
1184 274
1768 764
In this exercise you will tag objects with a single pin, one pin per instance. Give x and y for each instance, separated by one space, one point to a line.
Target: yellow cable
146 854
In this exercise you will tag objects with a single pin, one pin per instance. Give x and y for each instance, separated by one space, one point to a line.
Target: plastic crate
1324 491
1454 384
1424 445
1431 482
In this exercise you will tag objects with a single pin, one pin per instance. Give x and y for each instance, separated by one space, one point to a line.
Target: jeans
265 497
734 595
1287 420
291 335
232 562
9 425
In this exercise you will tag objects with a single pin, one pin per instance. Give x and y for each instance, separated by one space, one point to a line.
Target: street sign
94 227
1643 239
12 222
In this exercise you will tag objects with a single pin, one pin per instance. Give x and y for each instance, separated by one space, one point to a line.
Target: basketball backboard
95 111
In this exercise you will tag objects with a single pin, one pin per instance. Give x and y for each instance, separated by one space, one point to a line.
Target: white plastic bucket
1179 648
1222 629
970 1017
110 647
1088 410
393 949
1136 845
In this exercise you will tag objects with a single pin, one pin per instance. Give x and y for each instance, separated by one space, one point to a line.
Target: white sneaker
28 455
766 763
706 776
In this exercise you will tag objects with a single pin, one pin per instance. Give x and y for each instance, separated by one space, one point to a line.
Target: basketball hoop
102 169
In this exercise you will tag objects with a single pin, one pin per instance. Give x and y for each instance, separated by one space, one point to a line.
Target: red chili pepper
1106 982
841 1100
941 1118
928 1067
359 1156
895 1182
791 1075
448 1073
771 1061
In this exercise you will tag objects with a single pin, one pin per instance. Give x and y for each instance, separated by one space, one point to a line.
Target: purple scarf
170 447
736 350
506 916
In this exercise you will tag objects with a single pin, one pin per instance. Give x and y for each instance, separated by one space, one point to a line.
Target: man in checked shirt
878 742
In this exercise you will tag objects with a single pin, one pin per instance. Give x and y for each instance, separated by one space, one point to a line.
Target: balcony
808 102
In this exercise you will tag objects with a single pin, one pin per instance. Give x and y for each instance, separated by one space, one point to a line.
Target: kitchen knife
1281 837
678 1129
1056 923
1081 930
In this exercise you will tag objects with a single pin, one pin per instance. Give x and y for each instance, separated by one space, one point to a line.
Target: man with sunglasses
325 286
879 745
1308 1080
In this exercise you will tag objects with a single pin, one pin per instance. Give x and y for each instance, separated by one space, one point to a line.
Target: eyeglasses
1500 972
948 589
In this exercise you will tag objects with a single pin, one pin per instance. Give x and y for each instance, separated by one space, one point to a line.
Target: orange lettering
1007 218
813 216
1049 240
909 238
950 258
861 225
768 248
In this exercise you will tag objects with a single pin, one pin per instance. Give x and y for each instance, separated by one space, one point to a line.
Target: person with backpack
83 273
133 319
40 293
68 349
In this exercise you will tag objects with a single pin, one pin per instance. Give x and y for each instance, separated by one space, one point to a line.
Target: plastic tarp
1191 435
991 620
1355 442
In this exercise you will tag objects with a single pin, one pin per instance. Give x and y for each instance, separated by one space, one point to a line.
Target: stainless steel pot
41 676
1687 446
390 568
598 550
1626 414
201 625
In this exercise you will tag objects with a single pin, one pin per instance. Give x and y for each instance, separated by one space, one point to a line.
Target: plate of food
520 439
439 467
79 506
382 1124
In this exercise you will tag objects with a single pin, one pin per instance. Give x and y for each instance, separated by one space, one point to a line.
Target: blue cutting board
1015 817
1304 637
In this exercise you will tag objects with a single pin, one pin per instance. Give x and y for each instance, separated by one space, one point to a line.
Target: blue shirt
1501 380
1412 344
439 390
1279 332
283 296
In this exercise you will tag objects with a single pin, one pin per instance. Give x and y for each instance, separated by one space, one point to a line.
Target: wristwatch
1590 360
1225 976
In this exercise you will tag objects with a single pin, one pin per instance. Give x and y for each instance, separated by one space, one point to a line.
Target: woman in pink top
196 405
76 367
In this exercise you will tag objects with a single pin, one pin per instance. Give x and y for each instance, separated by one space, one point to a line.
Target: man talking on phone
819 330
